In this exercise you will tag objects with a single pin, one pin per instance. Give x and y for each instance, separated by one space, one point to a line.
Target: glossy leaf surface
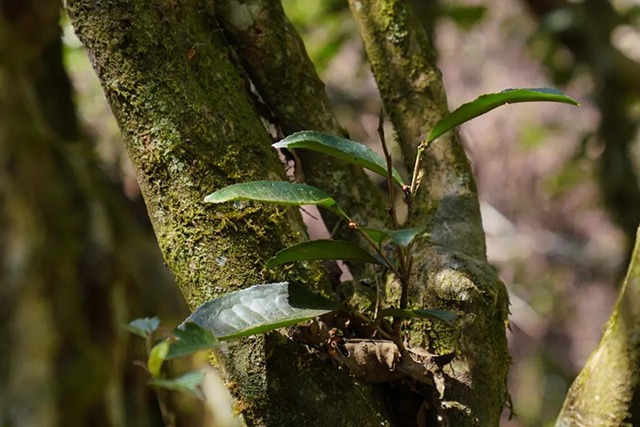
345 149
486 103
260 308
188 338
323 250
277 192
402 237
143 327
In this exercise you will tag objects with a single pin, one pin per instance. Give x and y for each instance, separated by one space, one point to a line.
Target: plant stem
387 156
378 251
335 228
384 334
414 181
402 256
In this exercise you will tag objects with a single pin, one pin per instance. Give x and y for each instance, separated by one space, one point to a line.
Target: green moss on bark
189 129
270 46
450 270
606 392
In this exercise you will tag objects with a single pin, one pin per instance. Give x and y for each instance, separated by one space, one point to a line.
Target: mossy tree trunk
69 281
607 390
451 270
190 125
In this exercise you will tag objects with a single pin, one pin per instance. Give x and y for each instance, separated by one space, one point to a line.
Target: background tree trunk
606 392
74 264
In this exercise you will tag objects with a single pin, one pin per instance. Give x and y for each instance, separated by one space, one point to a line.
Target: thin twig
377 307
404 274
416 171
363 317
378 251
387 156
335 228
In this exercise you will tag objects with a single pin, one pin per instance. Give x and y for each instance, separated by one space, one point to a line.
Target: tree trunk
607 390
190 128
451 271
65 289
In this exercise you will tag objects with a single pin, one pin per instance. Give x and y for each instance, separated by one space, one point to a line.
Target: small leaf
490 101
188 383
345 149
143 327
260 308
278 192
443 315
402 237
189 338
157 355
323 250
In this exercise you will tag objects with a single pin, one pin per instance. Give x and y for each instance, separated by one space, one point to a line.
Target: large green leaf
443 315
490 101
260 308
188 338
188 383
323 250
402 237
278 192
345 149
143 327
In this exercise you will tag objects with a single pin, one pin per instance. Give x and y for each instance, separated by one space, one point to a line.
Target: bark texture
268 46
451 271
190 128
606 392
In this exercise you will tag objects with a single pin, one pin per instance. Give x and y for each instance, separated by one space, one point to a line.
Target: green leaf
490 101
278 192
157 355
143 327
323 250
465 16
445 316
188 383
188 338
402 237
260 308
345 149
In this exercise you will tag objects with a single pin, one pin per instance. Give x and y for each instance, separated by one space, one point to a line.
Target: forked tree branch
275 58
190 129
451 271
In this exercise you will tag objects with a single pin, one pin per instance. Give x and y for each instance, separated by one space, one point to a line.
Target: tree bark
607 390
190 128
451 271
268 46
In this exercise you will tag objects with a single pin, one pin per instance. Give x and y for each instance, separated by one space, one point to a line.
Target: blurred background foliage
559 188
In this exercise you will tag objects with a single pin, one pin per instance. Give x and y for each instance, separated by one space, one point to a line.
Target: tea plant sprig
265 307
